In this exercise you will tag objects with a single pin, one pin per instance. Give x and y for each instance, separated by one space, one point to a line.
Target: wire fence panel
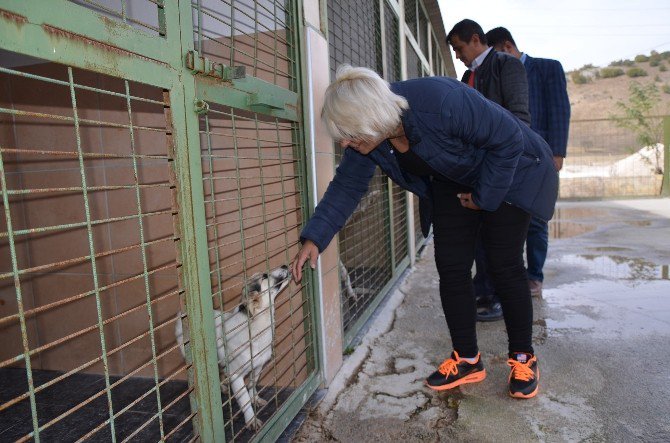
392 73
418 235
88 259
366 256
254 196
414 65
399 223
605 159
253 201
255 34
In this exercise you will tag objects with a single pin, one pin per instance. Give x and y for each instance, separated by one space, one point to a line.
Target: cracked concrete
600 331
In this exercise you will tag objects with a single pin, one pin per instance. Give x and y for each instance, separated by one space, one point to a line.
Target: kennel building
156 156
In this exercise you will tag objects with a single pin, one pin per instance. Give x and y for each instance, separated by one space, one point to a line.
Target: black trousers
503 233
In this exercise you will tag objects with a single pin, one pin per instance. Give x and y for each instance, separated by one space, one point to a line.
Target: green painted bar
246 94
20 36
199 305
62 15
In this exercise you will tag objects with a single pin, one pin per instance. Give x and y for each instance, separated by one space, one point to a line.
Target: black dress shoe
483 301
491 312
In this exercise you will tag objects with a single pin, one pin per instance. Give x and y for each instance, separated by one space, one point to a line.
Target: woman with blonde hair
474 166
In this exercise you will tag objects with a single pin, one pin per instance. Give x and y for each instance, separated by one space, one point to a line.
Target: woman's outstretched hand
466 201
310 252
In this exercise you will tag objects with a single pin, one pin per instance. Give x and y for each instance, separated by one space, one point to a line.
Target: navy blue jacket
460 134
548 102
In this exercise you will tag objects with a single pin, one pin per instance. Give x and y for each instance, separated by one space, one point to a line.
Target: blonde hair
359 104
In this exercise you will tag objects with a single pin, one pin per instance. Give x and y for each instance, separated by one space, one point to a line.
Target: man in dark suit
501 79
550 117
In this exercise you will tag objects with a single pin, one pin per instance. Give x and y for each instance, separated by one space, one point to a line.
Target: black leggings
503 233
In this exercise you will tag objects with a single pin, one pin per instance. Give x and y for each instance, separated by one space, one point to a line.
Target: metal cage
152 168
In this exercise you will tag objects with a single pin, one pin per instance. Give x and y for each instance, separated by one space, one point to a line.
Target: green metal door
144 175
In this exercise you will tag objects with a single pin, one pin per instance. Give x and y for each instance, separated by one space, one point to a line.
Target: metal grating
418 235
354 34
88 259
365 252
255 35
422 36
253 201
437 59
392 45
414 65
411 18
400 237
146 15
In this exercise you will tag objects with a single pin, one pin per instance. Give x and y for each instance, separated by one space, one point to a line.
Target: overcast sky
576 32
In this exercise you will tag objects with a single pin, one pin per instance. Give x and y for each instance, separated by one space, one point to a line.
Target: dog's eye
265 276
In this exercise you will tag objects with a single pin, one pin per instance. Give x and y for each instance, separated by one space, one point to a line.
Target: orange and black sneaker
524 377
455 371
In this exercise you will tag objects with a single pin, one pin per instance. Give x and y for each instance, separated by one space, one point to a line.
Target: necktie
471 79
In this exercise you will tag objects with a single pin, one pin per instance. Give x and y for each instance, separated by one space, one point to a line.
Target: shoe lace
448 366
521 371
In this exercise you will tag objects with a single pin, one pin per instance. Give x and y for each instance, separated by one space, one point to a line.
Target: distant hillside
595 96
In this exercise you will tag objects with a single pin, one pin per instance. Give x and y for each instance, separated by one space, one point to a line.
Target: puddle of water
609 309
572 213
574 221
565 229
618 267
609 249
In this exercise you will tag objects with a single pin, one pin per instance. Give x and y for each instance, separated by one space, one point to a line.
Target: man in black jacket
500 78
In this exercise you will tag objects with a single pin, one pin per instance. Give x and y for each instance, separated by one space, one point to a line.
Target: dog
244 338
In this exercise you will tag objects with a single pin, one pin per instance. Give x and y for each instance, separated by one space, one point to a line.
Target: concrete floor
602 334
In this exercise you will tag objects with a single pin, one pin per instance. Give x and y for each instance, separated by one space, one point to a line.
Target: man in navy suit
550 117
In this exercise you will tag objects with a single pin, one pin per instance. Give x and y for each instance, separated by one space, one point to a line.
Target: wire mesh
414 65
392 45
254 34
437 61
365 267
418 235
605 159
88 272
422 37
393 73
354 34
146 15
400 240
411 15
252 181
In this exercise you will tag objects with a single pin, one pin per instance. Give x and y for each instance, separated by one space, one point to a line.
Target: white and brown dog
244 339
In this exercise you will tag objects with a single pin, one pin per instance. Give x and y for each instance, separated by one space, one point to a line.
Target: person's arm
468 116
514 88
338 203
557 107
